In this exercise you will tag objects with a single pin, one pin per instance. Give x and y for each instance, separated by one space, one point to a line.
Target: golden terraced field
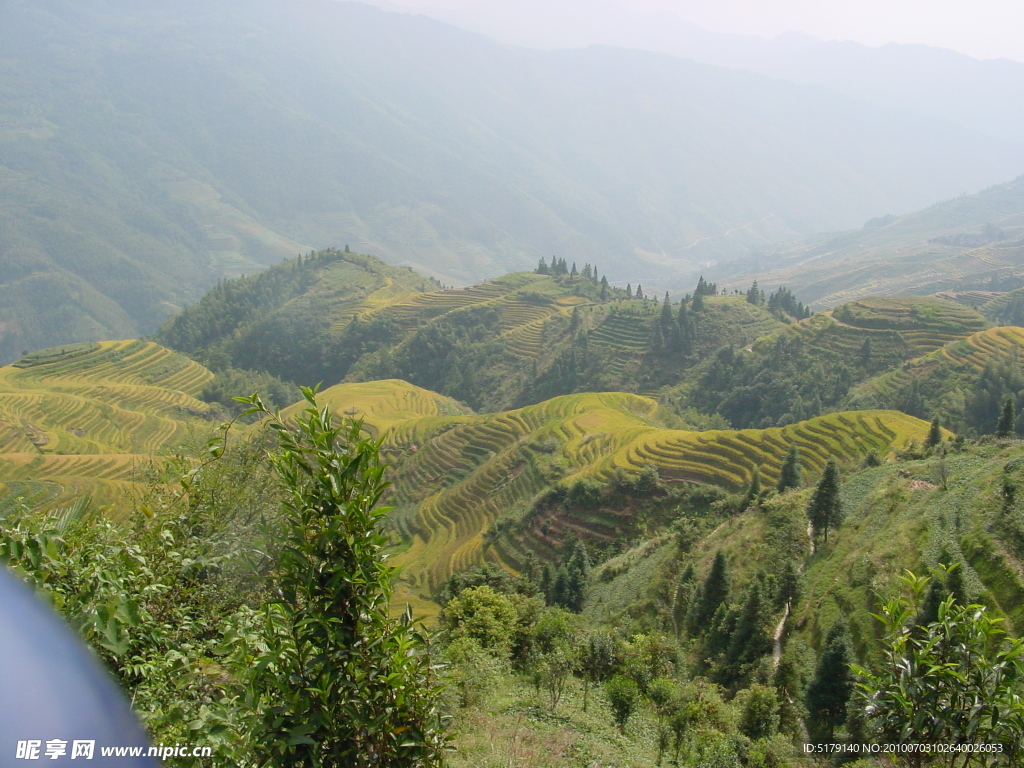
76 420
455 475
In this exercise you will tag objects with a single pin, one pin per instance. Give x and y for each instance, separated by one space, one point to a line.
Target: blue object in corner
53 690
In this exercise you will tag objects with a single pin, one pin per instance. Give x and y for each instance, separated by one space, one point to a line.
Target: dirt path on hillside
781 628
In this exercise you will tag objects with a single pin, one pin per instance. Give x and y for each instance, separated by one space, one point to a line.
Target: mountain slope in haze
971 242
944 84
147 148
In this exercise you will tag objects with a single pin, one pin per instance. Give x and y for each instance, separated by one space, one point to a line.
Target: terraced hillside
807 368
525 337
897 326
77 419
456 475
955 382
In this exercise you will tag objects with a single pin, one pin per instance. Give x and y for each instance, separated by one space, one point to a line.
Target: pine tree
542 267
1007 420
934 434
752 637
698 302
754 491
825 509
832 686
790 475
754 295
713 593
639 291
573 272
577 578
629 290
913 404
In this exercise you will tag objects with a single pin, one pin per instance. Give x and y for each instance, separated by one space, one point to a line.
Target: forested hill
517 339
149 148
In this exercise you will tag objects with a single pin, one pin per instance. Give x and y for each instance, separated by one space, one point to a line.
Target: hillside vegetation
517 339
808 368
464 484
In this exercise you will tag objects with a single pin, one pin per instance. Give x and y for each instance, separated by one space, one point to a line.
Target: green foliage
484 616
955 681
833 684
229 383
791 473
331 679
1007 420
598 659
759 714
155 595
623 696
713 593
825 509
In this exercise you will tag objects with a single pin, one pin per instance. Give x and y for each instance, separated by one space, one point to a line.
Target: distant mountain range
147 149
978 94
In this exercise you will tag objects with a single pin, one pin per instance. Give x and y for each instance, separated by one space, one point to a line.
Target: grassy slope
78 420
898 516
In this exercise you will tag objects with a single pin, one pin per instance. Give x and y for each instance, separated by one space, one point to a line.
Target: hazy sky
981 28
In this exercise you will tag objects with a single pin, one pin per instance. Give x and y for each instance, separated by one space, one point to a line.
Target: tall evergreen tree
666 312
577 571
825 508
754 491
752 637
1007 420
714 592
833 684
934 434
542 267
629 290
574 272
755 296
698 302
790 475
639 291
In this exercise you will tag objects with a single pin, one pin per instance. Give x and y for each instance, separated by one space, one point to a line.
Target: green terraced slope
521 338
945 378
456 475
898 327
78 419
